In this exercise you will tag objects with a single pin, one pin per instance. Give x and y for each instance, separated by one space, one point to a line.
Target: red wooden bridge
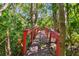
50 34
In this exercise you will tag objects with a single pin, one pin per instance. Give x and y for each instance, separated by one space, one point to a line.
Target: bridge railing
33 32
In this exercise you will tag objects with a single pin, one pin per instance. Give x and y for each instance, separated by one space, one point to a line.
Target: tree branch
4 7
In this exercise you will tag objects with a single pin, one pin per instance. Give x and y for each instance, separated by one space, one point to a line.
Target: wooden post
57 44
24 49
32 35
55 35
50 38
51 35
36 30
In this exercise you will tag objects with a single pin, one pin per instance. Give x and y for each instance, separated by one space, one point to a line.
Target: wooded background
64 18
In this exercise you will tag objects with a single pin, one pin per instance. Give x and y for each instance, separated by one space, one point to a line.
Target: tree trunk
33 12
62 28
3 8
7 46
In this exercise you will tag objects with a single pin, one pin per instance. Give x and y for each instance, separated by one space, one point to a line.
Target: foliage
75 37
45 22
17 17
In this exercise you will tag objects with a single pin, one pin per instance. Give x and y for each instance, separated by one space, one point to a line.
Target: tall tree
7 46
3 8
33 12
62 28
